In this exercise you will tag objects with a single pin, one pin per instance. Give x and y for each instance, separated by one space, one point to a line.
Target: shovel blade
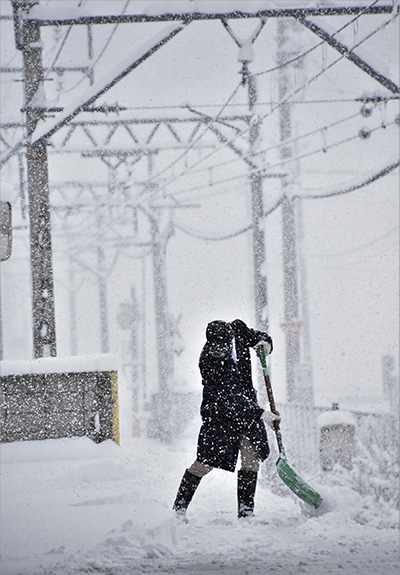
300 487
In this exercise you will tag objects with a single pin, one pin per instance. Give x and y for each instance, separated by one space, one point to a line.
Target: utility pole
305 385
291 325
257 211
112 162
102 278
298 376
27 36
246 56
256 183
162 350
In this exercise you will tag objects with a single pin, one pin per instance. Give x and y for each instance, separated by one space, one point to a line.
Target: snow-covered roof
336 417
73 364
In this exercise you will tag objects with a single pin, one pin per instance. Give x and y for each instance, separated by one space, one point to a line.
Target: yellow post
115 407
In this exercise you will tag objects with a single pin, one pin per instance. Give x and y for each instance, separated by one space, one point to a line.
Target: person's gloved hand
270 417
266 345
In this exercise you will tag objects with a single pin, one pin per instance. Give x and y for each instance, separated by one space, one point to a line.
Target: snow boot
185 493
246 488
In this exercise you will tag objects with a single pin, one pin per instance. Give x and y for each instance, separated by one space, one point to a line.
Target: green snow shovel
300 487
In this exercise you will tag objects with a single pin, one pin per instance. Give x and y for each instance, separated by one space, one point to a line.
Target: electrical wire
184 154
260 73
321 129
111 36
360 258
108 41
283 101
384 172
281 163
282 143
324 149
322 43
291 141
371 179
296 58
51 67
266 115
261 104
278 164
201 236
326 68
359 248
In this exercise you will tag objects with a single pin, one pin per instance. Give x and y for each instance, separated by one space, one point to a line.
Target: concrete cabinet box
54 405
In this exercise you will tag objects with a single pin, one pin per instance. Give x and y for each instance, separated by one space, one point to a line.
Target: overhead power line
321 129
51 67
309 50
283 101
215 119
342 49
202 236
359 248
22 143
281 163
325 148
102 52
384 172
376 98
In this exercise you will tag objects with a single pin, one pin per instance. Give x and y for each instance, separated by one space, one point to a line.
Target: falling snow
244 168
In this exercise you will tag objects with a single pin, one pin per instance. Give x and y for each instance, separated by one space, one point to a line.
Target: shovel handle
271 399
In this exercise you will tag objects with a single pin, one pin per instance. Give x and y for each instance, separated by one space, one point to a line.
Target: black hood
219 331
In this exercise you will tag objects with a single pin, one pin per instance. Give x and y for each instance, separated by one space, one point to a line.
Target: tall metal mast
27 35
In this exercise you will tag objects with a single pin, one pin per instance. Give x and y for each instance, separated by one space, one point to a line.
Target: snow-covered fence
301 431
375 464
300 434
53 398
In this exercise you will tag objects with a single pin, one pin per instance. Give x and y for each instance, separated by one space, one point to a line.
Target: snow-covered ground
71 506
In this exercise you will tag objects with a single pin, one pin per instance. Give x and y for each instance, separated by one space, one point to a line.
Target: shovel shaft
285 472
271 400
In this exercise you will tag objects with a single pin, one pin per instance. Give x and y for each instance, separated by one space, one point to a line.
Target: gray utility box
337 438
52 403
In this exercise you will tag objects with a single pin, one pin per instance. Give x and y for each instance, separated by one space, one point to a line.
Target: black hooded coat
229 409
